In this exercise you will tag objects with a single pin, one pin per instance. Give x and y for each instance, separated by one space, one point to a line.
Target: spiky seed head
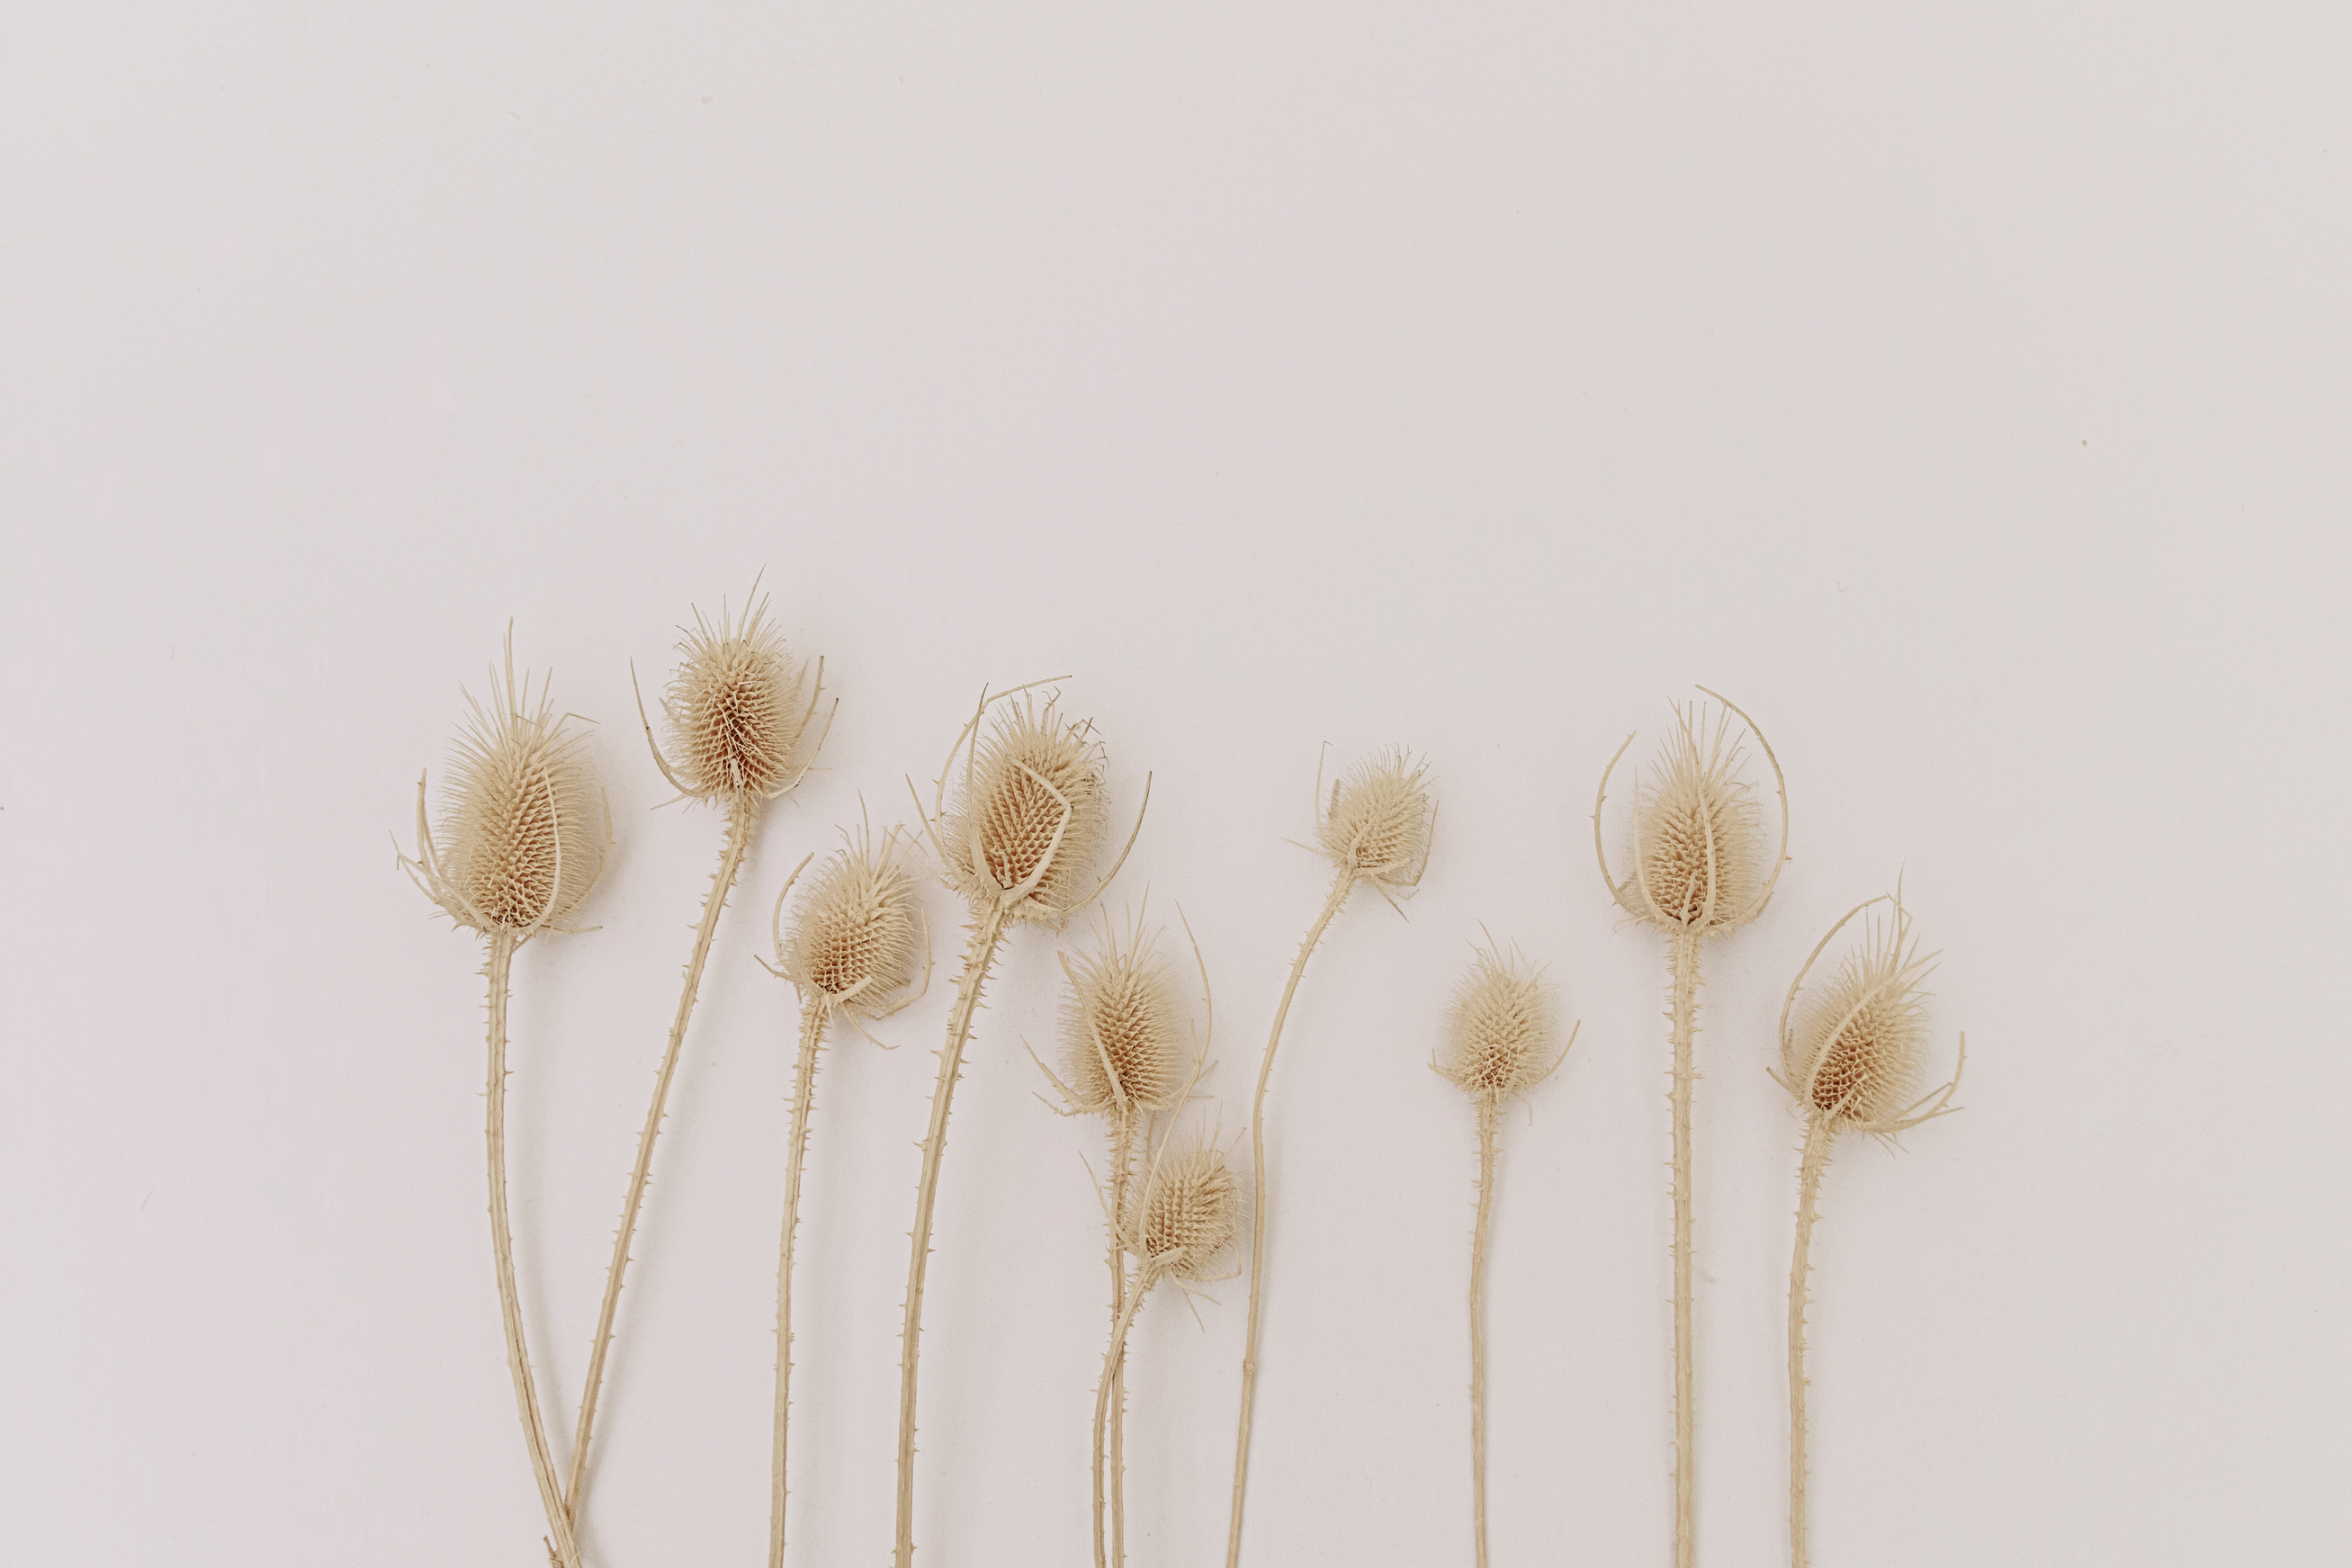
1503 1032
1698 837
1853 1056
523 829
1377 824
851 941
1028 815
1123 1030
736 708
1188 1213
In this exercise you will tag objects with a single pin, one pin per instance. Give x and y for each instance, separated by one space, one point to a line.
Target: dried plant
1126 1047
1697 844
1376 828
1498 1046
850 951
521 840
739 732
1852 1063
1019 844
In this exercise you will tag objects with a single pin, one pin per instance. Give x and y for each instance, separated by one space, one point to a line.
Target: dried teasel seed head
1854 1055
738 709
1377 824
1123 1027
851 941
1503 1032
1698 837
523 825
1028 815
1187 1214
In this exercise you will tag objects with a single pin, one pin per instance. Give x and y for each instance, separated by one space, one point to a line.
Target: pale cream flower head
1125 1037
1378 820
1028 815
851 945
1698 840
735 711
523 826
1853 1056
1185 1218
1502 1029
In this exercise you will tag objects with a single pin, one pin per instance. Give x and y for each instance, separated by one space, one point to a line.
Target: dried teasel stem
1377 828
1696 848
738 724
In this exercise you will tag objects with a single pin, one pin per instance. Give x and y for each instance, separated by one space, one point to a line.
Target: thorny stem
1685 1011
534 1430
813 1021
1817 1158
1342 885
1487 1116
1122 1146
1113 1355
986 930
740 819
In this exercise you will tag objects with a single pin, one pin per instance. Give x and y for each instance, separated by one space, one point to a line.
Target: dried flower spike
1852 1063
850 952
522 842
1498 1045
1019 844
737 722
1376 828
1696 843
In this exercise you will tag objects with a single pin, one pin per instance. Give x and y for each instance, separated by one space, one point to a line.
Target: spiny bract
1123 1027
1855 1055
735 709
1502 1030
1697 836
1028 815
1378 822
851 941
1188 1213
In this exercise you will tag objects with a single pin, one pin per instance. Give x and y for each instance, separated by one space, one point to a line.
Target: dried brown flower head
1854 1057
1501 1035
523 826
1124 1034
1378 822
851 941
1698 840
735 711
1188 1213
1028 815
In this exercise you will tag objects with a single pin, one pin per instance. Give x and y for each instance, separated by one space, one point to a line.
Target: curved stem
1487 1116
1122 1156
534 1430
813 1021
740 822
987 928
1114 1354
1342 885
1809 1187
1685 1016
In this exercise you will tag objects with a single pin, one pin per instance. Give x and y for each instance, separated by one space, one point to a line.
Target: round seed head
1028 815
523 829
1698 841
1853 1056
1188 1213
1502 1038
851 941
1123 1028
1378 822
736 709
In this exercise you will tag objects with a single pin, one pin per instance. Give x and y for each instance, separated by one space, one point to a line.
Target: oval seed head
1188 1213
523 829
1028 815
851 941
1854 1057
736 710
1501 1036
1378 822
1123 1028
1698 840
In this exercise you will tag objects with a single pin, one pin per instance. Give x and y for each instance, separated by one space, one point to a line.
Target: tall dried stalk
851 947
1851 1064
522 842
1696 844
1017 844
1376 828
738 725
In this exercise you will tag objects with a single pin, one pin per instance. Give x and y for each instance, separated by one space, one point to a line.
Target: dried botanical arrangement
1124 1044
1852 1063
739 730
1697 871
521 840
851 950
1018 844
1498 1046
1376 828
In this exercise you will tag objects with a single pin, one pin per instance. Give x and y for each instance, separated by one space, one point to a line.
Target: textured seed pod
1854 1055
1123 1028
1378 822
737 710
1698 839
1188 1213
1503 1030
851 941
523 826
1028 815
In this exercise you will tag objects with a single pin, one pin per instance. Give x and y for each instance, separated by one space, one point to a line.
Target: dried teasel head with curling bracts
852 942
738 709
1183 1221
523 826
1853 1055
1698 841
1377 824
1127 1044
1502 1029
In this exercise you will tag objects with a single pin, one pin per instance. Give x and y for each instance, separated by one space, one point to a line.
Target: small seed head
1853 1056
1028 815
737 709
1188 1213
1377 824
1698 840
851 941
1123 1028
1503 1033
